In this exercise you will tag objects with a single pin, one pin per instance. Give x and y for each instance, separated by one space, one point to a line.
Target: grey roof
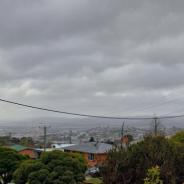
91 147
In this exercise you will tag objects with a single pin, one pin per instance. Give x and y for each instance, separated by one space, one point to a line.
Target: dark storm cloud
92 56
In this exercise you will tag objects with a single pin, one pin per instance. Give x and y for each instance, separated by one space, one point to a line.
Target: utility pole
70 137
44 136
122 134
122 129
9 137
156 123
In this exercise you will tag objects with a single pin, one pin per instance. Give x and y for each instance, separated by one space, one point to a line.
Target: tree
130 165
156 127
39 176
26 141
179 162
9 161
178 137
53 167
91 139
29 166
153 176
4 141
178 141
130 138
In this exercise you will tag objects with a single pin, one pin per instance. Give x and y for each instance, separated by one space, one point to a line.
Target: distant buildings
60 146
30 152
56 146
94 153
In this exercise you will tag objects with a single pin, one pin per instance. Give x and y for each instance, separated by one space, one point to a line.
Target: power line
179 110
158 105
92 116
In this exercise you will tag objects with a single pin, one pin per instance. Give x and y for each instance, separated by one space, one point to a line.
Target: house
32 153
60 146
94 153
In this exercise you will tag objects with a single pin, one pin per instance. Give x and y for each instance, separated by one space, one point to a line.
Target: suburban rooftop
92 147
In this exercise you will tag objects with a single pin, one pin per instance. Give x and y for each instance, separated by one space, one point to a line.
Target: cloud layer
99 57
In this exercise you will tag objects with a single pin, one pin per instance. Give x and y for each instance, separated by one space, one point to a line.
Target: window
91 156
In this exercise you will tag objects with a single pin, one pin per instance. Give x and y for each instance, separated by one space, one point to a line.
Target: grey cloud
37 22
91 56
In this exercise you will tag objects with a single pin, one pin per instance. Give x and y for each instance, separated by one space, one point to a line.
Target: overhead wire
89 115
160 104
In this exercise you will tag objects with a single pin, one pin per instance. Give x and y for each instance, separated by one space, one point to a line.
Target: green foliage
130 138
92 180
153 176
21 174
26 141
4 141
53 167
178 137
130 165
38 176
179 163
9 161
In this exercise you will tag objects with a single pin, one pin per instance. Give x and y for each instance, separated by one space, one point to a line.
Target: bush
130 165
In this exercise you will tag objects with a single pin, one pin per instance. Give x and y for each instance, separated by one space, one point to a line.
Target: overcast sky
107 57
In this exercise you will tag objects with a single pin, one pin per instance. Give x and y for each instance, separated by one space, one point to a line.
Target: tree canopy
53 168
130 165
9 162
153 176
178 137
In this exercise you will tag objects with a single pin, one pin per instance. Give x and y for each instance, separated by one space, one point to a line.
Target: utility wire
91 116
178 111
159 105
